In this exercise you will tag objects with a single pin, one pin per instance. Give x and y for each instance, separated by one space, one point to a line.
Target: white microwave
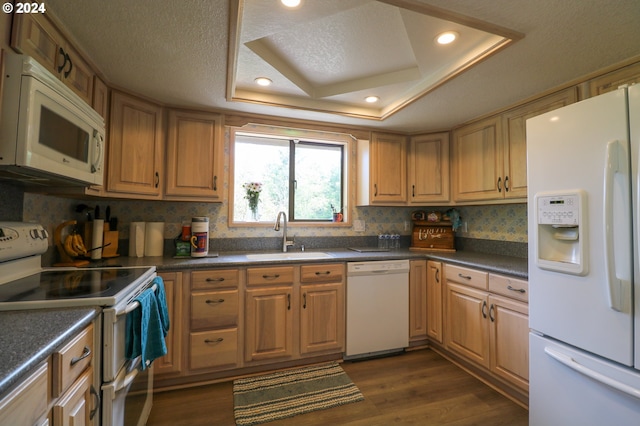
48 134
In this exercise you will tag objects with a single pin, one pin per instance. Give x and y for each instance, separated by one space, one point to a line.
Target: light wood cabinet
489 157
382 164
428 178
75 406
269 313
611 81
322 309
27 404
194 156
214 315
418 309
477 161
269 323
135 147
515 139
77 400
294 312
100 101
509 334
487 322
35 35
467 328
170 363
434 301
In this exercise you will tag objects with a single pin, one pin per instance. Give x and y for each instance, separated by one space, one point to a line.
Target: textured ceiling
330 55
176 51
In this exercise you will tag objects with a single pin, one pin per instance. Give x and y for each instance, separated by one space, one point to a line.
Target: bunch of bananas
74 246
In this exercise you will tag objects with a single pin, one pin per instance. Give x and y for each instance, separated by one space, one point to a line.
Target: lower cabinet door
322 318
74 407
467 323
269 323
510 340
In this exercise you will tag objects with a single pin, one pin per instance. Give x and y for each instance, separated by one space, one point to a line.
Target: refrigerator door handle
599 377
615 162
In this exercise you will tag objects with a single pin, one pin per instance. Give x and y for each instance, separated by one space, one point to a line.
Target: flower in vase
253 190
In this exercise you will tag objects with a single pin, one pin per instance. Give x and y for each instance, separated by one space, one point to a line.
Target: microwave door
62 140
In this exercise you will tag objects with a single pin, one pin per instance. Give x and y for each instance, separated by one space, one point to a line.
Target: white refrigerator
584 278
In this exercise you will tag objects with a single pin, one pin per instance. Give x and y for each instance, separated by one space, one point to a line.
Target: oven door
127 392
128 399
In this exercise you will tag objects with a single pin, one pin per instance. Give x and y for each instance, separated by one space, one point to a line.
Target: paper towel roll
136 239
154 239
96 238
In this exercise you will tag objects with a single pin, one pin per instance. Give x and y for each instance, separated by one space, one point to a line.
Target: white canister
154 239
136 239
199 236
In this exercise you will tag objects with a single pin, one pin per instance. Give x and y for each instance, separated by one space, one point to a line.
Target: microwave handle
100 145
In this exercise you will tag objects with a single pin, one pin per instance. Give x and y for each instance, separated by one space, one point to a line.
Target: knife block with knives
110 234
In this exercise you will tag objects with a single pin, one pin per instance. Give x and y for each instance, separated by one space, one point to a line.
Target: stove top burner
74 284
57 285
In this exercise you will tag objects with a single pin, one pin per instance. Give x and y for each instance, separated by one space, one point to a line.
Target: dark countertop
28 337
508 265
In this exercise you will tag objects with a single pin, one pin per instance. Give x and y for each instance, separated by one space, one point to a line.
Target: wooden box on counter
432 236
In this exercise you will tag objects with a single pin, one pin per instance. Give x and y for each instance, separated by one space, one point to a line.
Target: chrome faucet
285 243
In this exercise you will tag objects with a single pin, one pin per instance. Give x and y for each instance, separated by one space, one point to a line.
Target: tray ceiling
331 55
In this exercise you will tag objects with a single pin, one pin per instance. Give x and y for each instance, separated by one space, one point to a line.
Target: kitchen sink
300 255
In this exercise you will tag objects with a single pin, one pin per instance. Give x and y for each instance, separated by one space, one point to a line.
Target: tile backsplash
493 222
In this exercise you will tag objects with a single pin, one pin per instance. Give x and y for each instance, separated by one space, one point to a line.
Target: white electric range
25 284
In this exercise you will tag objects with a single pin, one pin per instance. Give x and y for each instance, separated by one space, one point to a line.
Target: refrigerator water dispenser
561 223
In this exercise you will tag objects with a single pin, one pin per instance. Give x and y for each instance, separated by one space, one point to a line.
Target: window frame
308 136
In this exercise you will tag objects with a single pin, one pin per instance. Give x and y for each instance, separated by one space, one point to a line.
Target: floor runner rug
289 393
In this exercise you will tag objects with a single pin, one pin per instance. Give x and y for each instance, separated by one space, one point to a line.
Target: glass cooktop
54 288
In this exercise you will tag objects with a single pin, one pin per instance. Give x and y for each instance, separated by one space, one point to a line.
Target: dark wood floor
418 387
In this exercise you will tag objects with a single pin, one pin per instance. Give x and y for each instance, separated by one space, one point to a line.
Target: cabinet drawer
332 272
211 279
209 349
466 276
70 361
269 276
510 287
214 309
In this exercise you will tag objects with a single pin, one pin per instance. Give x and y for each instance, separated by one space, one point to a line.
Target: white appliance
584 276
377 308
127 392
48 134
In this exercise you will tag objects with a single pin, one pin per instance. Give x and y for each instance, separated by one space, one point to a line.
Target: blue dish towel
147 326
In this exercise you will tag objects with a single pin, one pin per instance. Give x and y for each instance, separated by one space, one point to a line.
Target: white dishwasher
377 308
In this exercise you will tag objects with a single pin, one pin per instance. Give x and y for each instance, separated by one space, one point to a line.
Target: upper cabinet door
135 147
477 161
388 162
429 168
515 139
35 35
194 155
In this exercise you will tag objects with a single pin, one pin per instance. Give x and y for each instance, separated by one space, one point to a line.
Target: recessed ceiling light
372 99
447 37
290 3
263 81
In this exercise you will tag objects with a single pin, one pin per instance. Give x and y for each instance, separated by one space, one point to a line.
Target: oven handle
130 376
133 305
